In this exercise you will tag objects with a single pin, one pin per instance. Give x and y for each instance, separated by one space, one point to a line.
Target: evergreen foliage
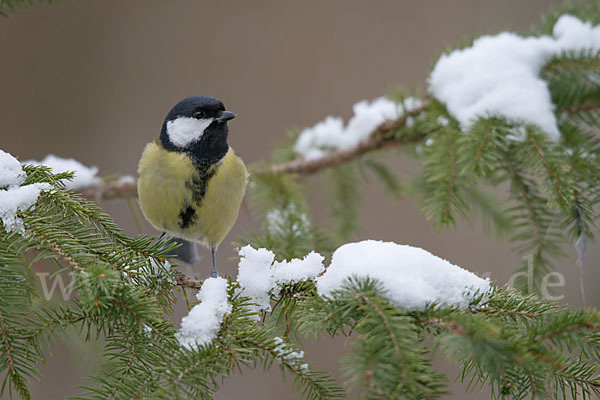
519 345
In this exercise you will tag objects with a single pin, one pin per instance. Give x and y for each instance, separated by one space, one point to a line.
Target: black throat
205 152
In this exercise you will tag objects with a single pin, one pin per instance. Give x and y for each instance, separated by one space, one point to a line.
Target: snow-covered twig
379 139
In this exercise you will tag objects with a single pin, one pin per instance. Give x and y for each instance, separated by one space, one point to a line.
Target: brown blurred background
93 80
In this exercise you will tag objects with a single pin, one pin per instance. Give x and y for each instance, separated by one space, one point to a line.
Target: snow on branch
411 278
16 197
377 139
331 134
499 76
83 176
259 276
201 325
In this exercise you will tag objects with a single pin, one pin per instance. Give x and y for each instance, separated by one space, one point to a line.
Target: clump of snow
255 275
84 176
202 324
316 141
412 277
331 134
259 276
19 199
296 270
499 75
16 198
11 173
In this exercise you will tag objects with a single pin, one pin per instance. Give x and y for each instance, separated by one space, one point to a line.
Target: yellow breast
188 202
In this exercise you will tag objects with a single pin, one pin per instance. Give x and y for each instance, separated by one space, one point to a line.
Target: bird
191 183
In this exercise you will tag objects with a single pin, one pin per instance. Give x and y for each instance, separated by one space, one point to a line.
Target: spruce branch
381 138
17 367
18 360
533 222
519 345
316 385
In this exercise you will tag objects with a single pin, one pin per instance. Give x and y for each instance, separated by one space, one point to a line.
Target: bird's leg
213 271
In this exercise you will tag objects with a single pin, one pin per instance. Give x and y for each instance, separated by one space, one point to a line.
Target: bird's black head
197 126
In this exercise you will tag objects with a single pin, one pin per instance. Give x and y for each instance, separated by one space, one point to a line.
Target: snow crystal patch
498 75
84 176
412 277
287 353
202 324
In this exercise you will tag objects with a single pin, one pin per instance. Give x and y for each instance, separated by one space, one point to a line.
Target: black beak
226 116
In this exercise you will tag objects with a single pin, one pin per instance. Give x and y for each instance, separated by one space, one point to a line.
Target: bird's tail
186 251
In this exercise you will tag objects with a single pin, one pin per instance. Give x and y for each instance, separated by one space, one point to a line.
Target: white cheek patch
185 130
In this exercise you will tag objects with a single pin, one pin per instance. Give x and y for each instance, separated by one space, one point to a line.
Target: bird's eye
198 114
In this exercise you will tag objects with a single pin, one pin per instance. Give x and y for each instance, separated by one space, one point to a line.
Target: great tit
191 183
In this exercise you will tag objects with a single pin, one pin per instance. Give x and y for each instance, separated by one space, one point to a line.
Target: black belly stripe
197 185
187 215
199 181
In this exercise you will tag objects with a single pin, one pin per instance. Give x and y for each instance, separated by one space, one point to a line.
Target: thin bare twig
187 282
120 189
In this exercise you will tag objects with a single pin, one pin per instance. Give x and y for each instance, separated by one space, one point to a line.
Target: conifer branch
13 374
130 345
46 321
381 138
516 344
